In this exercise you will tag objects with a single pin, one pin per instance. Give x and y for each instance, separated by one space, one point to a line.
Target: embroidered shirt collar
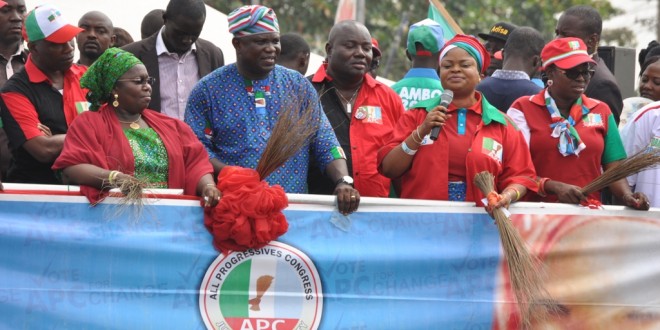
510 75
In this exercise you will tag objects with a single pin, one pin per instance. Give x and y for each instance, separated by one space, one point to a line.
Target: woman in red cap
474 137
572 138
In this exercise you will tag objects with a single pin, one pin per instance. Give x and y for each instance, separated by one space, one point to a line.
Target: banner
394 264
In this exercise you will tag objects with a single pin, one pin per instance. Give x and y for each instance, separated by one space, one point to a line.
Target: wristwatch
345 179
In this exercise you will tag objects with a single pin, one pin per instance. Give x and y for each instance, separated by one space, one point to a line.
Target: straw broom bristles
131 197
627 167
524 268
292 132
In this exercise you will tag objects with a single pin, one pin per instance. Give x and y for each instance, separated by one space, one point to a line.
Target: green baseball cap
429 34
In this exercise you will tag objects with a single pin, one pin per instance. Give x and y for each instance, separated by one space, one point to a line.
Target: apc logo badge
276 287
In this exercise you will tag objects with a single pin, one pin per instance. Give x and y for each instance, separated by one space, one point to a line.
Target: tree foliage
388 20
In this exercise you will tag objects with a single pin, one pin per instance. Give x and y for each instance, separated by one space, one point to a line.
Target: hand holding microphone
445 99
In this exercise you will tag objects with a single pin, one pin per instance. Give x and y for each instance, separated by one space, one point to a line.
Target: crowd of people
167 111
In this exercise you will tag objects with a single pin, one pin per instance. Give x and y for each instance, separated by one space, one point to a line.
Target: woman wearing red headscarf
474 137
560 123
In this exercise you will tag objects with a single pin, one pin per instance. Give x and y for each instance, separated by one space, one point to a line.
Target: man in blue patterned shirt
241 103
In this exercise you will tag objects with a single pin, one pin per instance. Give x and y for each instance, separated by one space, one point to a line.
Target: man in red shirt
39 102
362 111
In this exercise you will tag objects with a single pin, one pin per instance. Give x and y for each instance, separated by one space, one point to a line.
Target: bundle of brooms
249 214
525 270
636 163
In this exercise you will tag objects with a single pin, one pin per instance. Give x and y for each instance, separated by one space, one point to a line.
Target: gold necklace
132 124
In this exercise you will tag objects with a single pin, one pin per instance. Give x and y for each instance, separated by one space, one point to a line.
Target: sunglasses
573 74
141 80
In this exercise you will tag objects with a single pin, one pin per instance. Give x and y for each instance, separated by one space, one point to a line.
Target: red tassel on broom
527 276
249 213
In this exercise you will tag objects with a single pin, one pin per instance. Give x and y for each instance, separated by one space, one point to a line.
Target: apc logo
276 287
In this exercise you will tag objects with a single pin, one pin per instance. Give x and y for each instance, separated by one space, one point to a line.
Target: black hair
152 22
524 42
649 60
292 44
122 37
591 22
191 9
652 49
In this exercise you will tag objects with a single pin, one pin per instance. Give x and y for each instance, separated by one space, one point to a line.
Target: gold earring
115 103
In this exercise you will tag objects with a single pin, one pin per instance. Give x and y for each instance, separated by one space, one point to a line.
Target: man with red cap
12 59
375 61
39 102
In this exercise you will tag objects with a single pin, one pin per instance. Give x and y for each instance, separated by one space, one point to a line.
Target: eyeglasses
573 74
141 80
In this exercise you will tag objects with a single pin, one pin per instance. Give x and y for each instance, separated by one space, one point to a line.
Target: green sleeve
613 150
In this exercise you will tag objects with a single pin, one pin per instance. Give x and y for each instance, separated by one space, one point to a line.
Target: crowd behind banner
559 95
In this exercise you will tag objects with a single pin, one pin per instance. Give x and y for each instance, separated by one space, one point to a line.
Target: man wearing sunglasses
584 22
40 101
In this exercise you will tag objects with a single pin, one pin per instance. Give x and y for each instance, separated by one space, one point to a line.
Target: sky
635 10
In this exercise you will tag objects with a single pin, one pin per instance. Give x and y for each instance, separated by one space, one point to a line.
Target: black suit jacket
209 58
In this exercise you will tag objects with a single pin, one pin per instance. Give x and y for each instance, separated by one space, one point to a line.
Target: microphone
445 99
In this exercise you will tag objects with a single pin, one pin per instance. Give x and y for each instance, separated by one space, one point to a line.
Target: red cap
2 3
565 53
374 45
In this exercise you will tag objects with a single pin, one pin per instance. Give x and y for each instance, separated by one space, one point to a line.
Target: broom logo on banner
276 287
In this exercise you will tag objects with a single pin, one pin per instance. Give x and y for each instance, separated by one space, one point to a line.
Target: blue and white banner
394 264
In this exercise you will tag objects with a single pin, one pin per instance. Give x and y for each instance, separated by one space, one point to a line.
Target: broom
249 215
634 164
292 132
524 268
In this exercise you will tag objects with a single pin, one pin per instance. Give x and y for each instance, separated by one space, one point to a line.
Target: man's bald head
343 27
349 51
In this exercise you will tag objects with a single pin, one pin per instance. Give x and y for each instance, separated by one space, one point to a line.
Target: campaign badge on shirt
369 114
593 120
493 149
259 99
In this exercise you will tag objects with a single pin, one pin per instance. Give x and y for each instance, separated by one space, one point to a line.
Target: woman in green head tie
121 141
